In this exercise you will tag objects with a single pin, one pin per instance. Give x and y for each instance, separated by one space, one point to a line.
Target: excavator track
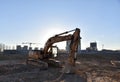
54 63
38 63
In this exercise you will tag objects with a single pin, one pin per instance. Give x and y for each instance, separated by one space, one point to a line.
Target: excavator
44 56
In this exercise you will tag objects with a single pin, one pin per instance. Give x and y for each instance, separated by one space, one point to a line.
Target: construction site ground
89 68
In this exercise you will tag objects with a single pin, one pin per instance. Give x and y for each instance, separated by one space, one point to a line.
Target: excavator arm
53 40
74 47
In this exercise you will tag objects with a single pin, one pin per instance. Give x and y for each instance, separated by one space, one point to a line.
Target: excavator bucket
68 68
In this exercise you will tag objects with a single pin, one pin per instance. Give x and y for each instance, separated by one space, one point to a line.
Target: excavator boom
59 38
55 39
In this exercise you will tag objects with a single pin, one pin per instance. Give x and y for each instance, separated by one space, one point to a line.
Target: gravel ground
88 69
27 73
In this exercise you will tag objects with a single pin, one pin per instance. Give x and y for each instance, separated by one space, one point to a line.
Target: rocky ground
29 73
93 68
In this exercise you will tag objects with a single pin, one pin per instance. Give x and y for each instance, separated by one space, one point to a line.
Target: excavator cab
54 51
38 54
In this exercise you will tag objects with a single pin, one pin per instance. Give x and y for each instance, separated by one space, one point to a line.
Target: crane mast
30 44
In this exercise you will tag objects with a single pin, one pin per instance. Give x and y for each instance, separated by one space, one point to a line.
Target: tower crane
29 43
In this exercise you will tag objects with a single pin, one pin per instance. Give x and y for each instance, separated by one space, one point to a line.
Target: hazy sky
37 20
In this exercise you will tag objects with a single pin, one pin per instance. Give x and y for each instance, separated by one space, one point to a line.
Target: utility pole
102 46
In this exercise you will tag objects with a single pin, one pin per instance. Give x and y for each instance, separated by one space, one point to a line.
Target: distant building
22 50
68 45
25 48
30 48
36 48
18 48
93 46
6 52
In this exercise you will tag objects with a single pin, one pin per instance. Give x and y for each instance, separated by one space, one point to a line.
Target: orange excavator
45 54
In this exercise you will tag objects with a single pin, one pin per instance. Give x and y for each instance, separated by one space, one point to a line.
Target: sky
37 20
